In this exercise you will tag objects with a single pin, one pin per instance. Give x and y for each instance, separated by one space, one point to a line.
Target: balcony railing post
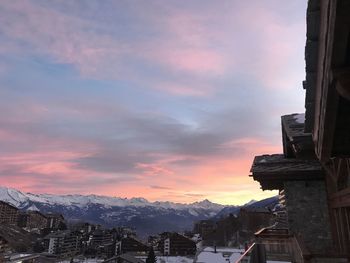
258 254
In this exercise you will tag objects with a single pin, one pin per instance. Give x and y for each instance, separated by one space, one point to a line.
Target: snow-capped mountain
147 217
144 216
21 200
250 202
269 203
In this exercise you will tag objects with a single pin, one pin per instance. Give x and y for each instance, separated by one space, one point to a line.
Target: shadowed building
131 245
8 213
204 228
63 243
175 244
313 173
37 220
54 221
4 247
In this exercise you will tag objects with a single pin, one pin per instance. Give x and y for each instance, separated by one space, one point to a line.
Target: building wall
255 220
4 247
306 203
167 246
176 244
54 221
8 213
36 220
53 244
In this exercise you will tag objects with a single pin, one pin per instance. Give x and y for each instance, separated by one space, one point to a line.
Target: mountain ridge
138 213
16 198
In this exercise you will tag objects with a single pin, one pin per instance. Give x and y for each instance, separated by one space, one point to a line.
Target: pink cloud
202 47
66 39
222 179
194 43
195 61
184 89
50 168
154 169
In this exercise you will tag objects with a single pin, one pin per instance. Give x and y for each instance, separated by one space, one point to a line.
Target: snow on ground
222 255
208 257
86 260
174 259
205 256
20 255
224 249
170 259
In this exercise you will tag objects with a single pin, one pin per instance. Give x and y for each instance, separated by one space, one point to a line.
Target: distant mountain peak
250 202
146 217
21 200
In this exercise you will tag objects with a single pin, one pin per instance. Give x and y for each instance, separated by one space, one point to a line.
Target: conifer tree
151 257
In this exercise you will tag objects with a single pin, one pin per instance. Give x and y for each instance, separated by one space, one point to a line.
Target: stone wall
307 209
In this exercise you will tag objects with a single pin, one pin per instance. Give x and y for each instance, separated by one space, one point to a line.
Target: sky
161 99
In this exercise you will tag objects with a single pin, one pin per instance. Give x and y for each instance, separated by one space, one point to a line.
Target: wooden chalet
131 245
174 244
328 109
314 170
300 176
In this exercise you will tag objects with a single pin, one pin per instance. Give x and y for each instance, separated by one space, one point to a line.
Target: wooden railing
275 244
340 212
251 255
280 245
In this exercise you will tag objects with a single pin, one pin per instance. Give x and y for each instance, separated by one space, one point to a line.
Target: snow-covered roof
276 168
222 255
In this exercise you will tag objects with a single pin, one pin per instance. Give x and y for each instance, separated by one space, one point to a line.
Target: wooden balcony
273 245
340 213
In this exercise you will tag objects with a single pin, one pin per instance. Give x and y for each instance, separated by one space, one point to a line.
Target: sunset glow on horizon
165 100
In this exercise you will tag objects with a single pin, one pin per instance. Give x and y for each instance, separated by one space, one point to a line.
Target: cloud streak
120 98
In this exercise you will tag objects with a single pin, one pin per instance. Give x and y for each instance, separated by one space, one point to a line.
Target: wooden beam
340 199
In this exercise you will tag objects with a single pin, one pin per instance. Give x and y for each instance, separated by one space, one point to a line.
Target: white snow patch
222 255
33 208
299 118
179 259
193 212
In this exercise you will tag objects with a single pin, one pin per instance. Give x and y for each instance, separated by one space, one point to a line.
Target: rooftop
296 143
272 170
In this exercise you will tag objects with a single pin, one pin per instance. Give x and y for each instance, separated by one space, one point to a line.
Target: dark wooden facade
273 170
328 111
131 245
324 136
176 245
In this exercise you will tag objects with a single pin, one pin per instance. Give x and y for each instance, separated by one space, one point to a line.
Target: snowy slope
21 200
146 217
